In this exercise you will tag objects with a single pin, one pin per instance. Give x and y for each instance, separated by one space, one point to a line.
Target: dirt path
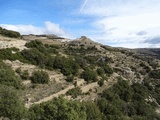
51 96
87 87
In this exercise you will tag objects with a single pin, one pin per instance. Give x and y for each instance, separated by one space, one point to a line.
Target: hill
57 78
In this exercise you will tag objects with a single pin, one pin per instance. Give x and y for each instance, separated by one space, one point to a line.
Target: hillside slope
115 80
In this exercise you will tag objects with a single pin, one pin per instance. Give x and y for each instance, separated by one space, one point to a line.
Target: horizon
117 23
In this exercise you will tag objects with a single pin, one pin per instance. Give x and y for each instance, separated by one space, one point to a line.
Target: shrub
108 70
58 109
9 33
101 82
11 106
24 75
74 92
70 78
100 71
8 77
155 74
7 54
89 75
40 77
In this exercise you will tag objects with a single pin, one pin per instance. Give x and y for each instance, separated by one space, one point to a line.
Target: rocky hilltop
51 72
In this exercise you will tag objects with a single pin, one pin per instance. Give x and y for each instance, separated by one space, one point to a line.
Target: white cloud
50 28
120 20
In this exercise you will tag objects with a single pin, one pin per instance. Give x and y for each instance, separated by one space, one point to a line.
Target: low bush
40 77
9 33
74 92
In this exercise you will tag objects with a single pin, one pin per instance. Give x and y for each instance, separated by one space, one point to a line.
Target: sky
118 23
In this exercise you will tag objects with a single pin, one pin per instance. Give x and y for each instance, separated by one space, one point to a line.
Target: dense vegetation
89 75
9 33
8 77
7 54
122 101
47 56
11 105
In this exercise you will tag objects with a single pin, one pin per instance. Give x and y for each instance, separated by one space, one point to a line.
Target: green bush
108 70
9 33
155 74
8 77
101 82
93 112
40 77
70 78
100 71
89 75
44 57
58 109
124 100
11 106
6 54
74 92
24 75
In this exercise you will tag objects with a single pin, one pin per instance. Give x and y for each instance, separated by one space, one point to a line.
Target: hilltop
81 76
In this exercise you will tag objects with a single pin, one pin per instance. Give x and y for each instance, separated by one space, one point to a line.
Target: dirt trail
87 87
51 96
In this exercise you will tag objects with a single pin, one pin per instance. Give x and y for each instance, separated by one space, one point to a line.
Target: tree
100 71
11 106
58 109
89 75
74 92
8 77
40 77
101 82
93 112
9 33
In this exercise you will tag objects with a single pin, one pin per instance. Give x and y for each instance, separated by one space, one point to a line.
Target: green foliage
34 44
100 71
74 92
89 75
70 78
11 106
9 33
6 54
81 61
123 90
101 82
124 100
44 56
155 74
93 112
43 48
40 77
24 75
58 109
34 56
108 70
67 65
102 103
8 77
105 69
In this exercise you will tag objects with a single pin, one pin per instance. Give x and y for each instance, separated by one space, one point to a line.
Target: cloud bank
50 28
125 23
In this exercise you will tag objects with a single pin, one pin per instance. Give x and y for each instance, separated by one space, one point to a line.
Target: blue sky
119 23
